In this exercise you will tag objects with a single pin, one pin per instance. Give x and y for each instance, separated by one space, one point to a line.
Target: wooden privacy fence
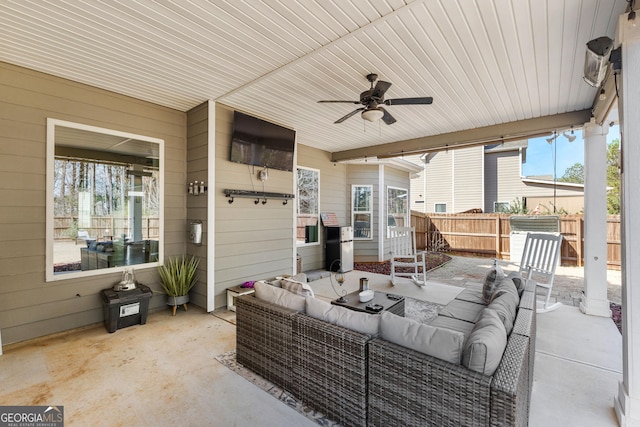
63 227
489 235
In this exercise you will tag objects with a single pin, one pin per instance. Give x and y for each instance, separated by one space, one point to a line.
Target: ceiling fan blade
353 113
387 118
347 102
380 89
409 101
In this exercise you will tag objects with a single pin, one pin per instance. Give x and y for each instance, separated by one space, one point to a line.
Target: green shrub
178 275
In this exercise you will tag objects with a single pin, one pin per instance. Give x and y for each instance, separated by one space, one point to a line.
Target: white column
594 299
627 403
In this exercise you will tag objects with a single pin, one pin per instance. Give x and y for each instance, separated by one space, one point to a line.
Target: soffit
486 63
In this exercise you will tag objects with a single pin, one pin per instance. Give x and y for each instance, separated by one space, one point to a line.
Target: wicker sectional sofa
359 378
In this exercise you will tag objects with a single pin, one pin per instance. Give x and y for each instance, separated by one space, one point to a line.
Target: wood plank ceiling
485 62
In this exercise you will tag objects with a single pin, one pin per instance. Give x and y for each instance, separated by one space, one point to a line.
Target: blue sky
540 153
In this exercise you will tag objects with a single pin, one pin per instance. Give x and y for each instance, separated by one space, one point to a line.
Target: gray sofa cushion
278 296
471 295
453 324
506 306
442 343
317 308
517 280
505 285
462 310
364 323
486 343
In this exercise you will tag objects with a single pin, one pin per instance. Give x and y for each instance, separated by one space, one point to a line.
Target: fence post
579 262
498 238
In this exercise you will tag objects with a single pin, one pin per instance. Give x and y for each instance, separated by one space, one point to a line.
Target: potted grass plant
177 276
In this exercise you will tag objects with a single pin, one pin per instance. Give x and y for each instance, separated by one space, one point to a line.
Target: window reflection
105 192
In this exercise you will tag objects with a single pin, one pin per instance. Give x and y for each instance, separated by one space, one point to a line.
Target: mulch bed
73 266
616 315
432 260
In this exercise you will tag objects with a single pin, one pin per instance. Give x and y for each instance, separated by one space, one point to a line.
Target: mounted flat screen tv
260 143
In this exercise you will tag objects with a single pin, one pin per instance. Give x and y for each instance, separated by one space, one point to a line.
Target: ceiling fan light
372 115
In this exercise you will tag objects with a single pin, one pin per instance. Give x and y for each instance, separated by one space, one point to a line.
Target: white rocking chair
539 260
402 241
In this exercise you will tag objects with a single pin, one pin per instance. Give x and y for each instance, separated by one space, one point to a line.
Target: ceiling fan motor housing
369 101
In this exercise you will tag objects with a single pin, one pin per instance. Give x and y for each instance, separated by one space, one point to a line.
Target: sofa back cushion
506 306
505 285
278 296
364 323
517 280
445 344
299 288
486 343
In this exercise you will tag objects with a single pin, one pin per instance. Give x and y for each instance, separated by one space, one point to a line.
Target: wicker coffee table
390 302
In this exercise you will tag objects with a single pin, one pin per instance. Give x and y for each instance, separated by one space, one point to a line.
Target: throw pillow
296 287
278 296
300 277
491 279
442 343
486 343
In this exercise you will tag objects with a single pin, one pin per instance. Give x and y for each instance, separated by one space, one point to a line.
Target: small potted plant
177 277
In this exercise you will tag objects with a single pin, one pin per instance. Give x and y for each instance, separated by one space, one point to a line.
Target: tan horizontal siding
29 306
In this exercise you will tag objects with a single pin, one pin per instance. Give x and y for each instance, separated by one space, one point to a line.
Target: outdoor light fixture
551 138
596 60
570 137
372 114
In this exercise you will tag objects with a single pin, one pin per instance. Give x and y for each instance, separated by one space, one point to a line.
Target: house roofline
551 183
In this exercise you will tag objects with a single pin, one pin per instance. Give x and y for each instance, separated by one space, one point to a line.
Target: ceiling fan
372 100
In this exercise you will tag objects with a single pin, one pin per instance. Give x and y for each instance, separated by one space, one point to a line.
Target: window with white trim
307 206
397 207
440 207
361 211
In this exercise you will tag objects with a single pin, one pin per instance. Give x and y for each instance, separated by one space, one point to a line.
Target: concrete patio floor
165 373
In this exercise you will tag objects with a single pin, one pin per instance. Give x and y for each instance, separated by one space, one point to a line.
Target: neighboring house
488 178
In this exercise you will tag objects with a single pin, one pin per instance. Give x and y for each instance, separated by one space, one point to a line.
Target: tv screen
260 143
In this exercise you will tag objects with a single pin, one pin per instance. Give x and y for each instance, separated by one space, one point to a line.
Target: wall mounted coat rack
259 196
